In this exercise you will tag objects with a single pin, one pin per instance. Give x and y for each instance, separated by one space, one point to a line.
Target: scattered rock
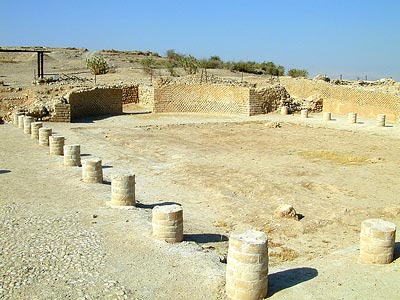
273 124
285 211
322 77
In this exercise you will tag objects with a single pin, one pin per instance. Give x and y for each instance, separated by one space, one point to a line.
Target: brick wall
345 99
61 113
95 102
205 98
130 94
266 99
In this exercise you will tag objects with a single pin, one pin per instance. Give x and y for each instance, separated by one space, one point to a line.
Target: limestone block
381 120
285 211
56 145
15 117
44 134
326 116
247 266
123 190
92 171
304 113
27 124
167 223
21 121
284 110
35 130
352 118
72 155
377 239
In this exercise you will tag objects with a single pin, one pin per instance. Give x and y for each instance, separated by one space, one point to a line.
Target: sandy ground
229 174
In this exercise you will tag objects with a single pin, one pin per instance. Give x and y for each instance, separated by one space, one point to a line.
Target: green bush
189 63
247 67
214 62
270 68
97 65
297 73
172 55
148 64
171 68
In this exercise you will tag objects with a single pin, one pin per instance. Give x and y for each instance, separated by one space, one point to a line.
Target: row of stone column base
327 116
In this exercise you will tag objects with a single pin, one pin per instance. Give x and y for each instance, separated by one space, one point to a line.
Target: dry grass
285 254
340 158
7 60
222 224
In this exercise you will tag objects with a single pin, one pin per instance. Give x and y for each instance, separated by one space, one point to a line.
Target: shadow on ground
151 206
5 171
396 254
282 280
205 238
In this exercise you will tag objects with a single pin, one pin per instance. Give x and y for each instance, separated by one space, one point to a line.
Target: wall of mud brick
61 113
345 99
130 94
202 98
95 102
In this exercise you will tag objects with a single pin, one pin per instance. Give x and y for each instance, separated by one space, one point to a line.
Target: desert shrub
242 66
170 65
297 73
173 55
214 62
270 68
97 65
189 63
148 64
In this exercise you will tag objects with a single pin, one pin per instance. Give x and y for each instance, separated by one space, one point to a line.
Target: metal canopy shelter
40 58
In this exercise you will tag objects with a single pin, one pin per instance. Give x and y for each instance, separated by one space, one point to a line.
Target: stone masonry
345 99
130 94
95 102
61 113
221 99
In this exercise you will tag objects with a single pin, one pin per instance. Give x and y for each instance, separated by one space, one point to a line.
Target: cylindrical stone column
21 121
44 134
123 190
167 223
352 118
56 144
304 113
247 266
284 110
326 116
35 126
381 120
72 155
15 117
92 171
28 120
377 239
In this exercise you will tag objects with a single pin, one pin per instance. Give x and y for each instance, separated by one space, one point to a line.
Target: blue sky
333 37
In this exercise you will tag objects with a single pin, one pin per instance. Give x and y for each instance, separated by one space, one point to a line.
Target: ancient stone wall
345 99
61 113
95 102
130 94
146 95
266 99
199 98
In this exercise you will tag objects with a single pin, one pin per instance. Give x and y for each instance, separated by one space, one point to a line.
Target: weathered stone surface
285 211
